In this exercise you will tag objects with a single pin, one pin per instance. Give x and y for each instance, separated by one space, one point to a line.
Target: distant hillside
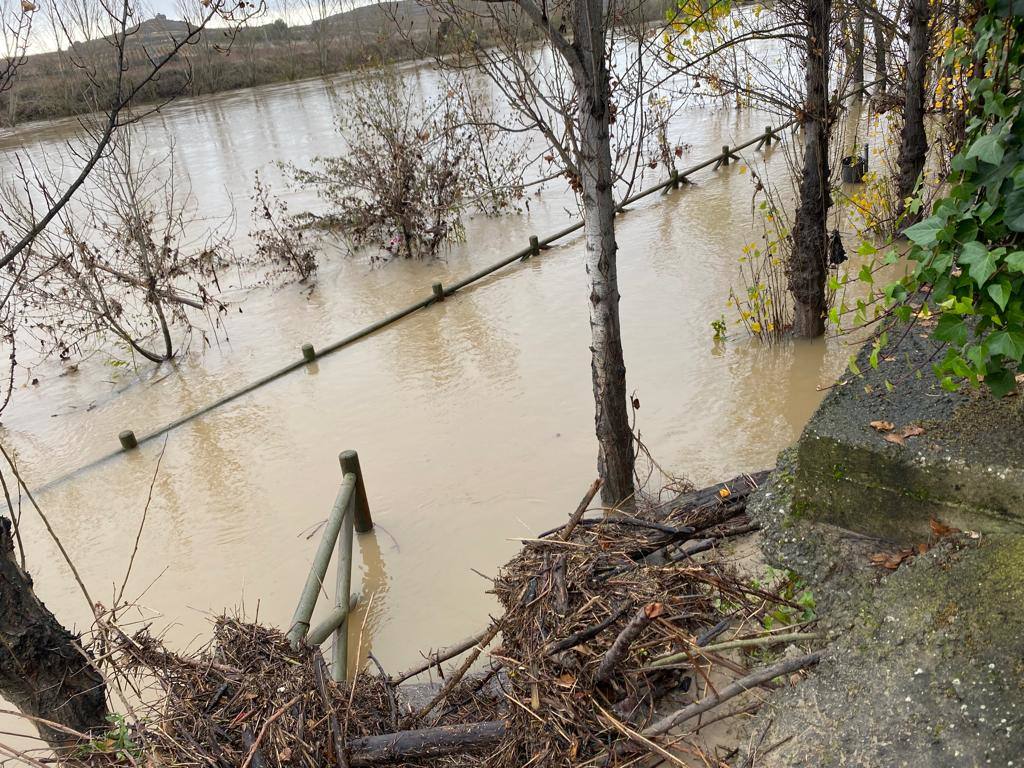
57 84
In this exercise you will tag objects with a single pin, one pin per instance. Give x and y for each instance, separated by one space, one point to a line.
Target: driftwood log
424 743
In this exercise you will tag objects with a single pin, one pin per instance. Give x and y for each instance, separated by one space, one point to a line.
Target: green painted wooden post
308 352
349 461
438 292
534 246
343 584
725 154
128 441
336 522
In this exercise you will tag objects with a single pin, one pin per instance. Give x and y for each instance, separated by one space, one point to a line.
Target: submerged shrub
412 167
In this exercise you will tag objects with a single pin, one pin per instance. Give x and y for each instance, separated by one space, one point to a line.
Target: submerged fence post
308 352
349 461
438 292
128 441
534 246
343 586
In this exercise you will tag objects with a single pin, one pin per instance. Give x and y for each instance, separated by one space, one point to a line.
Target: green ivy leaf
1001 382
981 261
1009 344
952 329
1013 216
1015 261
926 232
988 148
1000 292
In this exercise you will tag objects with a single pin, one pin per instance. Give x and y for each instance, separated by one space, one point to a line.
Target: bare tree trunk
914 144
43 670
858 51
614 437
881 60
810 250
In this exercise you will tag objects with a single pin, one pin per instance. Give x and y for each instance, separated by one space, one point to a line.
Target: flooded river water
473 419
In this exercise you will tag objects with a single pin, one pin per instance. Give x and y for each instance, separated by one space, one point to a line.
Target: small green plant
116 742
799 600
720 328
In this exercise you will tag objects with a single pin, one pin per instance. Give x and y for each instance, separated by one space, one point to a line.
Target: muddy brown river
473 419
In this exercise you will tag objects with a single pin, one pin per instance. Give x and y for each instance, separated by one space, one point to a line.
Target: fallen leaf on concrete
892 560
893 437
912 430
941 530
882 426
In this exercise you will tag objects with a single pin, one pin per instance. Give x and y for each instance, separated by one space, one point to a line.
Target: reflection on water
473 419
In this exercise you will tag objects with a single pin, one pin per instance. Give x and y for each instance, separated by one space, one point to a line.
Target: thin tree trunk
43 670
808 267
614 437
881 60
914 143
858 52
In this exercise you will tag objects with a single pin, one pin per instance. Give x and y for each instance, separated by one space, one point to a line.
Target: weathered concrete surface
924 665
925 671
966 469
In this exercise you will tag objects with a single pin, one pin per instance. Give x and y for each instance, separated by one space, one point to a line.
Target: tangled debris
607 646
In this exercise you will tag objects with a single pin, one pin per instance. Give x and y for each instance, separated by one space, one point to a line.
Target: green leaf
1000 292
1001 382
1009 344
988 149
981 261
925 232
1013 216
1015 261
952 329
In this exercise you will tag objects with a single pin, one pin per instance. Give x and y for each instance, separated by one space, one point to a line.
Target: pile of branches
247 700
603 619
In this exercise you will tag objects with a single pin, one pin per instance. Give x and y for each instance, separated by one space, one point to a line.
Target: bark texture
808 266
590 71
43 670
914 142
881 60
425 743
857 59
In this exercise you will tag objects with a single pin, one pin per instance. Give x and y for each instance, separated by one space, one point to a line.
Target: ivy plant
968 255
